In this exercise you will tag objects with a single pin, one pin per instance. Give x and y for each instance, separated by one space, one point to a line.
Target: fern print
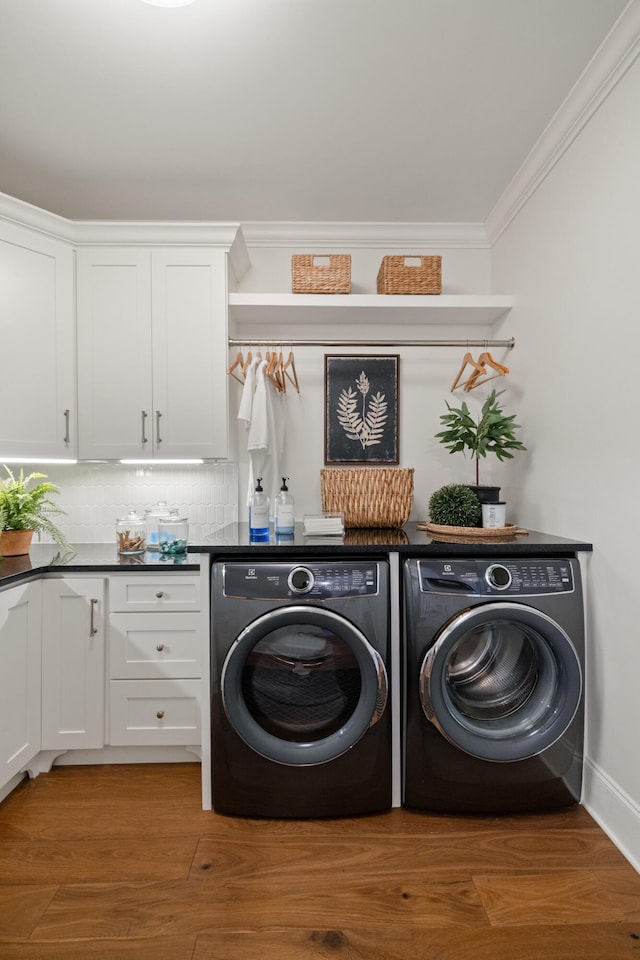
361 409
366 427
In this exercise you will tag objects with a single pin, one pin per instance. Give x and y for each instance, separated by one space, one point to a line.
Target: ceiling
416 111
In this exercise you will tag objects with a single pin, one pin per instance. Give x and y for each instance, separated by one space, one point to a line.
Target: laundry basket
368 496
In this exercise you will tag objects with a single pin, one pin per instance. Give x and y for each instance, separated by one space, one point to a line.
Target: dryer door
302 685
502 682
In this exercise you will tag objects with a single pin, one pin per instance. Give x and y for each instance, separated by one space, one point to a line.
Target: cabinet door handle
160 594
158 437
92 626
160 647
66 426
144 415
160 714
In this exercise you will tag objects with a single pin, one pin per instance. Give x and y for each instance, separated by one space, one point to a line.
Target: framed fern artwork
361 400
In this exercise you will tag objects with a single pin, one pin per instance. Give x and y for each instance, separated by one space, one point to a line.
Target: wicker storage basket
309 276
368 496
405 275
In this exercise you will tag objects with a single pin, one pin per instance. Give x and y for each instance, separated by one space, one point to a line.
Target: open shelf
447 309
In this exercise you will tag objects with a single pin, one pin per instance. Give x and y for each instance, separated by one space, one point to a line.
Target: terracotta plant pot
15 543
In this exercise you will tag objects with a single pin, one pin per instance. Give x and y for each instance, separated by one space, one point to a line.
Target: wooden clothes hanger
238 362
290 363
485 360
478 370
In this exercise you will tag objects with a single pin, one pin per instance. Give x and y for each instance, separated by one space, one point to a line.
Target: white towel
264 442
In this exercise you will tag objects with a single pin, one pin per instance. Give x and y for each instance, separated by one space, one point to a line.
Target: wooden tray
445 534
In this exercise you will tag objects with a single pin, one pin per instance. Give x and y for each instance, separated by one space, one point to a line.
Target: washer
300 716
493 684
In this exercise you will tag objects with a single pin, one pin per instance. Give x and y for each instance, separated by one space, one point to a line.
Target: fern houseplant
26 510
493 432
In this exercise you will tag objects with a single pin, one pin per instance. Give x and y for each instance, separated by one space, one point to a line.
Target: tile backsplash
94 495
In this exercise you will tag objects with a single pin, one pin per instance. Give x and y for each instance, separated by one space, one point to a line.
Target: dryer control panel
488 578
300 581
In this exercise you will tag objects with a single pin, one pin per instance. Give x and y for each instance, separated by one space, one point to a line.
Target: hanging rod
284 341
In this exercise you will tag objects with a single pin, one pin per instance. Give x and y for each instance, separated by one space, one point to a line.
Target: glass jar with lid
130 533
152 516
173 533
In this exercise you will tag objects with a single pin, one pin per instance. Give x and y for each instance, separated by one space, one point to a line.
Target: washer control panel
299 581
530 577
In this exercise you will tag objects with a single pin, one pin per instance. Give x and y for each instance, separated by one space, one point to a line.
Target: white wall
571 257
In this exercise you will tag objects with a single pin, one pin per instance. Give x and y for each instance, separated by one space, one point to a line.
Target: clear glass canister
173 532
152 517
130 533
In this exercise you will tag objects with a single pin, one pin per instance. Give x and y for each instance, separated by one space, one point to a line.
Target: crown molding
24 214
78 233
616 54
329 235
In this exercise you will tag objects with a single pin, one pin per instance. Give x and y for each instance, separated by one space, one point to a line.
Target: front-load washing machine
300 677
493 684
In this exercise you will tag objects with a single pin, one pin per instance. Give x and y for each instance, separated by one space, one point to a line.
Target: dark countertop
234 540
88 557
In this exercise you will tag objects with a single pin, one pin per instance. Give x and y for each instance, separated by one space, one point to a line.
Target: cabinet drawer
152 594
154 645
146 712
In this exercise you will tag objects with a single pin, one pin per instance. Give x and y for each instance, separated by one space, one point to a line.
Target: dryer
301 722
492 684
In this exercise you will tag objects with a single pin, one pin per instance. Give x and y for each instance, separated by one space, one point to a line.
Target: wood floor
121 862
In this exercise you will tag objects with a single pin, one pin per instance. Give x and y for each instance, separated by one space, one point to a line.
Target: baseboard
127 755
613 810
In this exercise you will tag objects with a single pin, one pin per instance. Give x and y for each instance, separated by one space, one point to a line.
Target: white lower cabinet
73 663
20 647
154 661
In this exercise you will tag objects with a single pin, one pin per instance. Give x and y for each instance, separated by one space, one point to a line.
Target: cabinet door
37 383
115 404
20 645
73 664
189 305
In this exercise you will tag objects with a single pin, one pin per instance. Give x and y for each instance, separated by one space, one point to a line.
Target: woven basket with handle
410 275
311 274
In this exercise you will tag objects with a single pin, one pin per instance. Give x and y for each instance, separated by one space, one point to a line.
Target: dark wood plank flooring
120 861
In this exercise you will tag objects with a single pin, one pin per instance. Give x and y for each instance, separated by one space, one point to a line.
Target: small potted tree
25 511
493 432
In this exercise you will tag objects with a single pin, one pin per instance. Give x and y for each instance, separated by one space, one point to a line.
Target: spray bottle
259 513
285 512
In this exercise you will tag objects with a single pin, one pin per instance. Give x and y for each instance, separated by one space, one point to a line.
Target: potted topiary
455 505
25 511
493 432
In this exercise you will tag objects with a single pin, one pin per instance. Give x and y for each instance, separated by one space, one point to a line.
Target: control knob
498 577
301 580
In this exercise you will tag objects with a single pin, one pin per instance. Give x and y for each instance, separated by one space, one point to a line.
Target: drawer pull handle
160 647
160 594
160 714
92 625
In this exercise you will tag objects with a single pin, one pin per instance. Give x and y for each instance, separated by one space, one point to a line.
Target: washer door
502 682
301 685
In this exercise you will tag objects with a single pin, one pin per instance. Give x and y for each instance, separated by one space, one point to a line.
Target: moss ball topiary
455 505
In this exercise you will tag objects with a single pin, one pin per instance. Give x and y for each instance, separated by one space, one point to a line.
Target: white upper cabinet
152 348
37 386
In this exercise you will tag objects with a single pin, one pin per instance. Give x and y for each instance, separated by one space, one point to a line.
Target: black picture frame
361 409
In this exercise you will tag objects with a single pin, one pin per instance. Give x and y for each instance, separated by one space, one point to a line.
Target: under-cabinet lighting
168 3
151 462
36 460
